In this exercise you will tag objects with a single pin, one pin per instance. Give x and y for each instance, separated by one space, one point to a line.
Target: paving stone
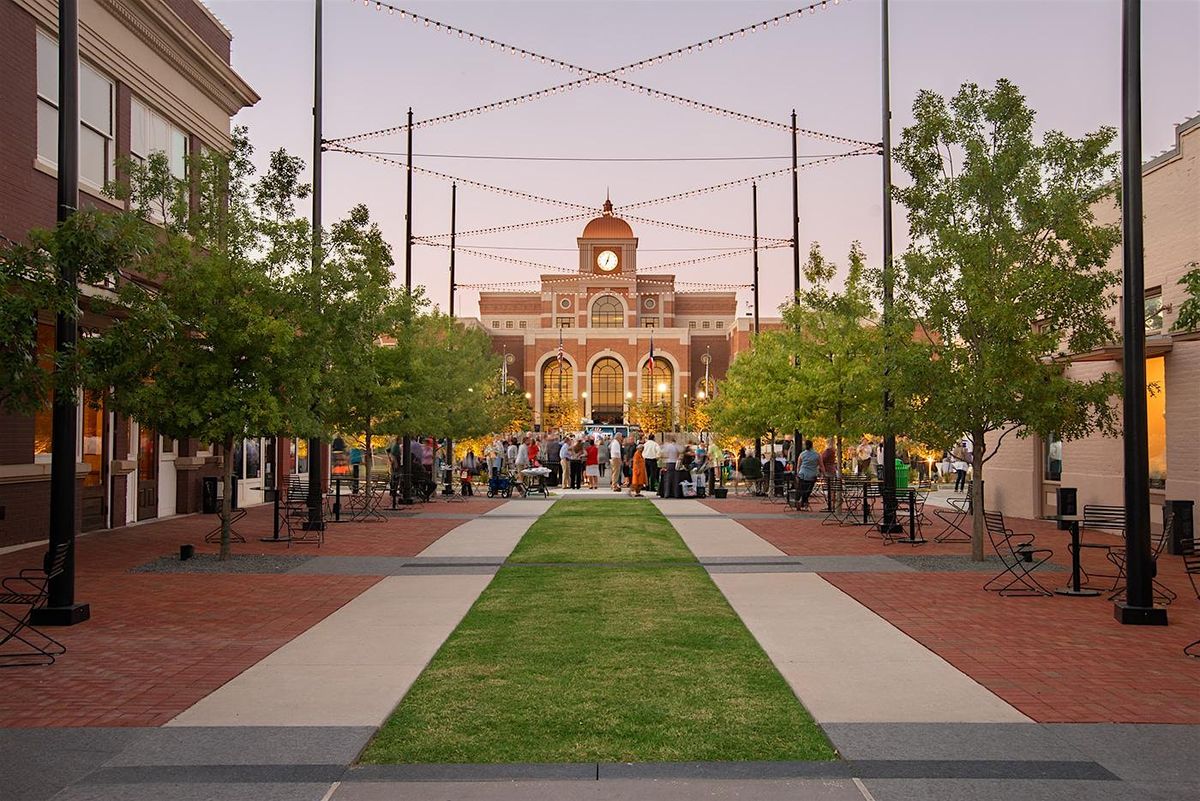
1023 790
1139 752
37 763
238 563
1022 741
612 790
939 563
232 791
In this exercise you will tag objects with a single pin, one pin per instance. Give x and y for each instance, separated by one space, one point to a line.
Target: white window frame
108 137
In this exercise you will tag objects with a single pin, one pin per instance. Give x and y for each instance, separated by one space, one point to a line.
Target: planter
720 492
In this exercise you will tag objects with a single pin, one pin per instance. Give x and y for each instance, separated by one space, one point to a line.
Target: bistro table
1073 522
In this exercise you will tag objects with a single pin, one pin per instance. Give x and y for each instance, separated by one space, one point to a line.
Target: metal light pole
889 524
406 441
795 270
316 506
754 212
453 218
1138 607
61 608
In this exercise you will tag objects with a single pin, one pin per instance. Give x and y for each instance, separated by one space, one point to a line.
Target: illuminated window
565 322
93 437
607 312
650 322
1156 420
42 427
608 390
658 387
557 385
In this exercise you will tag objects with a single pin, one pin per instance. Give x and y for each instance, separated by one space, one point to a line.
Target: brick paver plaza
928 686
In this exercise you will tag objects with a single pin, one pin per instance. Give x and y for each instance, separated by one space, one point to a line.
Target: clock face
607 261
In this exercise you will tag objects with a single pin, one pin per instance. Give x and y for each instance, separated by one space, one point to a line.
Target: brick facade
1015 477
174 56
688 327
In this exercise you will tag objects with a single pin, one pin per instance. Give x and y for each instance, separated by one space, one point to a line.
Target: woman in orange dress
638 479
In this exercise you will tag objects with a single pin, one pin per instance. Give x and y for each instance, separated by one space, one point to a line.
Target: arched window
607 312
608 391
659 386
558 384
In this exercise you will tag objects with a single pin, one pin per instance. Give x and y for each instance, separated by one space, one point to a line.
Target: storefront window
253 459
1156 420
93 438
1053 458
42 425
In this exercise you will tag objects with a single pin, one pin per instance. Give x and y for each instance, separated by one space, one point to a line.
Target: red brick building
155 75
606 315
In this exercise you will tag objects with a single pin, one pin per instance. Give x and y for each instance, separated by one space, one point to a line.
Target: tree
563 414
212 348
1189 310
652 416
101 245
1007 268
837 343
507 407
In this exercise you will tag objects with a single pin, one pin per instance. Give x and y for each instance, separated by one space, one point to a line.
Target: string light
611 75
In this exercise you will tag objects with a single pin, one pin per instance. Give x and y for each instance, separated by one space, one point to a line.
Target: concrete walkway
353 667
844 662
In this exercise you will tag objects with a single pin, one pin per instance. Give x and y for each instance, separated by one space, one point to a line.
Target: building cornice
164 32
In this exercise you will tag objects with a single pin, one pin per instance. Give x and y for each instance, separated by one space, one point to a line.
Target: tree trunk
977 496
368 457
227 501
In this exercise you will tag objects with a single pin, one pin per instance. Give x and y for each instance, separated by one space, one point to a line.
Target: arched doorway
658 386
608 391
558 391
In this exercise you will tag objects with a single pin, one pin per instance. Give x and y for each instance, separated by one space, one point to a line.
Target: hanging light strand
693 285
591 76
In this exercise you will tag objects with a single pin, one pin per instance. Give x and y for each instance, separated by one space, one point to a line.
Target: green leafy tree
212 348
99 245
837 344
652 416
1189 310
506 407
562 415
1007 268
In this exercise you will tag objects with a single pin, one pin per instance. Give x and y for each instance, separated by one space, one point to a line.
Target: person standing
577 464
862 454
592 464
614 461
959 458
602 454
637 478
522 460
810 463
650 453
829 460
553 460
670 457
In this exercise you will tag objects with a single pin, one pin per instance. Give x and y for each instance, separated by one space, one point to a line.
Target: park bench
1019 557
22 645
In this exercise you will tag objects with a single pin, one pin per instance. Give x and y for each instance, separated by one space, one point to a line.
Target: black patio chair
1162 593
22 645
954 518
1100 517
1019 557
1191 561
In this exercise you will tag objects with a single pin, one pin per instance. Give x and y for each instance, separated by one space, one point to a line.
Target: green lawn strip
609 530
578 664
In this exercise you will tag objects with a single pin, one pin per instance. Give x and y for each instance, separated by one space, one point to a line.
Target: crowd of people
632 463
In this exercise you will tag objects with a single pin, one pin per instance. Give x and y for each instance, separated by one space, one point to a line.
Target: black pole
754 212
890 524
406 442
453 217
795 267
754 219
1138 607
60 608
316 506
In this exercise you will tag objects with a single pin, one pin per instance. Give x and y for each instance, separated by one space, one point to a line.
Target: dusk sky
1065 56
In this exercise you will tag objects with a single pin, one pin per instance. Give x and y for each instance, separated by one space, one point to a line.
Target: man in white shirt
614 461
650 453
510 455
523 454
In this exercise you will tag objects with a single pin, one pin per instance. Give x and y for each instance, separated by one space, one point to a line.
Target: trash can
1179 515
208 495
901 475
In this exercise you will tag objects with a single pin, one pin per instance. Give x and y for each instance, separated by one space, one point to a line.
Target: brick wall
200 22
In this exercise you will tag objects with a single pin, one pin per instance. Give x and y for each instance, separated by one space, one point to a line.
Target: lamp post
889 524
1138 606
61 608
316 488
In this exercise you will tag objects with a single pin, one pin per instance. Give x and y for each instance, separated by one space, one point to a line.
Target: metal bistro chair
22 645
1103 518
1117 556
1191 562
954 518
1019 557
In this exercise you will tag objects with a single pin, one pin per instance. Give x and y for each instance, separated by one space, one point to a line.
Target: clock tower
608 246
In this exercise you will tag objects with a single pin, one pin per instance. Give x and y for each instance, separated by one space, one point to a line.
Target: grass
610 530
608 664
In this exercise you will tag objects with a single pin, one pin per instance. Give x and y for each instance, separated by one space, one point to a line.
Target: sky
1063 54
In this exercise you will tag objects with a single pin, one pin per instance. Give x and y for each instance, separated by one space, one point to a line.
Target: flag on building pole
651 362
